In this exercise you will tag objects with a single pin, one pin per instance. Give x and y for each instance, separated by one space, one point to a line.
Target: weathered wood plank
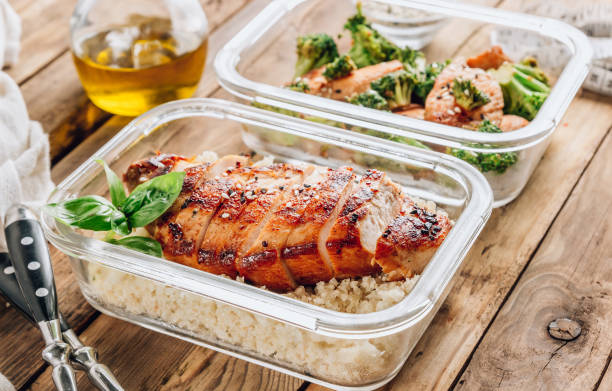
500 254
567 278
55 97
145 360
45 34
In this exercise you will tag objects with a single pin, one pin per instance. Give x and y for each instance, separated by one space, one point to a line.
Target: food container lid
562 93
476 208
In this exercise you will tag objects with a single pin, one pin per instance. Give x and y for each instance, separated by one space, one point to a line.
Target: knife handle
10 288
32 263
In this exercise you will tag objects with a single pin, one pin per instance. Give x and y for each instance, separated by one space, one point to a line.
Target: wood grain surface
545 255
562 281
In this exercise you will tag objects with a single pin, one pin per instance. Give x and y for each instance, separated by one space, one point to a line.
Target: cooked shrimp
440 105
512 122
490 58
357 82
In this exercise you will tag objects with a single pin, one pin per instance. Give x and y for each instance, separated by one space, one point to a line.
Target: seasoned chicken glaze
282 225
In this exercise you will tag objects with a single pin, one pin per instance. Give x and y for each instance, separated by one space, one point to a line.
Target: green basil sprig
146 203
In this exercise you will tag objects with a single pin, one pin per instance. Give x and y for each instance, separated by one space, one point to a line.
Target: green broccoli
396 88
529 66
299 86
426 81
467 95
369 47
340 67
523 93
498 162
413 60
314 51
487 126
371 99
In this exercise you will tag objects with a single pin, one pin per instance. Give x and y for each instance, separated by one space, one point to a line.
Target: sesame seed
288 204
457 110
225 215
466 92
217 177
224 174
306 185
264 243
449 111
263 191
225 196
316 197
238 186
281 187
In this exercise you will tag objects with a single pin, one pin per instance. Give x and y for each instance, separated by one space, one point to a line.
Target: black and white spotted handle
31 263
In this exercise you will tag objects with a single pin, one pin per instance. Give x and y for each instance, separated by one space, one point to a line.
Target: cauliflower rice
339 360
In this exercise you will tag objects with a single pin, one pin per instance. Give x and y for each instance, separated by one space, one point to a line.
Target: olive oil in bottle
129 69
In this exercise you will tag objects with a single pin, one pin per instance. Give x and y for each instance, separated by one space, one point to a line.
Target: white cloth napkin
25 174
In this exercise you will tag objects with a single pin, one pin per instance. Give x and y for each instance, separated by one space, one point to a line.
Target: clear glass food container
335 349
260 59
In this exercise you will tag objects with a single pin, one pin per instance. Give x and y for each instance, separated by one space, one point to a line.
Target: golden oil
129 69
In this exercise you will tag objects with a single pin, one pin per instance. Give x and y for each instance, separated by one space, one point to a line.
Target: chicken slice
493 57
147 169
413 111
247 207
440 105
369 209
409 242
181 229
262 262
357 82
511 122
305 253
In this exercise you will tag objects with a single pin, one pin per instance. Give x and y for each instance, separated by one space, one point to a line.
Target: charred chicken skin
281 225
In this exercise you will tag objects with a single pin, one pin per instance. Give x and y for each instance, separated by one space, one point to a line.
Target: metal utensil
32 267
82 357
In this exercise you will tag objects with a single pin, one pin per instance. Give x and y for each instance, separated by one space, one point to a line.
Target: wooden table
547 255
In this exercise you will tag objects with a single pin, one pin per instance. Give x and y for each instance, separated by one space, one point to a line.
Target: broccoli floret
413 60
523 94
369 47
314 51
426 81
371 99
529 66
498 162
299 86
396 88
487 126
340 67
467 95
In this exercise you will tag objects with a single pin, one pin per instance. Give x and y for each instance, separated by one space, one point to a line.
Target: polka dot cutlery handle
31 262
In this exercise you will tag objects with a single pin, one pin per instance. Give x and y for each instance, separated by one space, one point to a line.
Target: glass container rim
547 119
414 307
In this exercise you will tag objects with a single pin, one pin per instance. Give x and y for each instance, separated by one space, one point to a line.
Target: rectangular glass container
261 58
335 349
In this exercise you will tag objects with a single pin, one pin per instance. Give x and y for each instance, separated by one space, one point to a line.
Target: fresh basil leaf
139 243
91 212
150 199
115 186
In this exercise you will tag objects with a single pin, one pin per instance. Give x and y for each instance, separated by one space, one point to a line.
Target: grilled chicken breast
357 82
281 225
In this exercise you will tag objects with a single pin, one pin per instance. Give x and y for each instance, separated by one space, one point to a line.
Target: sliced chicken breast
409 242
369 209
357 82
305 253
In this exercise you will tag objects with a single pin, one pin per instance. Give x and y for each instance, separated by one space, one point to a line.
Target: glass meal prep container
261 57
335 349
